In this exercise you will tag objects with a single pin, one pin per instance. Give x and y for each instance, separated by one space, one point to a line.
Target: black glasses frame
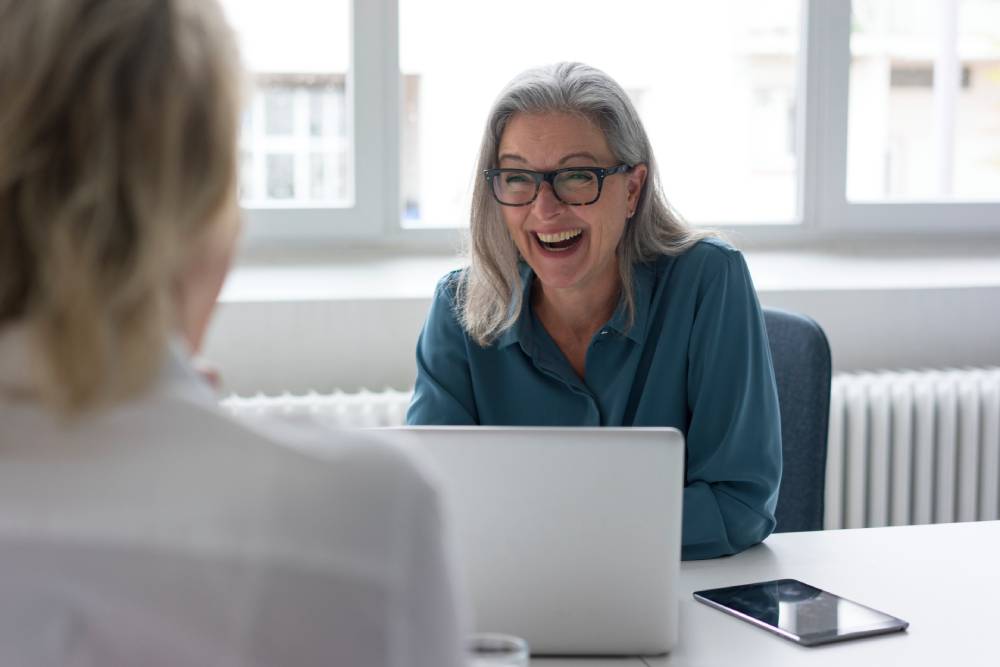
550 176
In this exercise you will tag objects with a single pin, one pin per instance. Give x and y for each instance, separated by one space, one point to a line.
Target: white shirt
164 533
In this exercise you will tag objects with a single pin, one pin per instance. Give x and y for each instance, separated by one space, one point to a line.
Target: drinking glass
489 649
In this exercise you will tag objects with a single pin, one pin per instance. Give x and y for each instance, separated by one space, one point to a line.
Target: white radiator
339 409
913 448
904 447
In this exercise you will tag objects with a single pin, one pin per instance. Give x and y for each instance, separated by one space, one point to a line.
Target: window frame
373 141
828 48
374 218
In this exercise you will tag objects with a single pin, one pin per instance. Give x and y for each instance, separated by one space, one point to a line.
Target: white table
944 579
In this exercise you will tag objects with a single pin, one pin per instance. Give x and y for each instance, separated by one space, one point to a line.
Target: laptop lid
569 537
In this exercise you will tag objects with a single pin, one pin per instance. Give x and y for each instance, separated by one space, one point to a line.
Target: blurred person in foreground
588 302
138 524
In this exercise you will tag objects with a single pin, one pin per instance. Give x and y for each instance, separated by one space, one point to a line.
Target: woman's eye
516 179
579 176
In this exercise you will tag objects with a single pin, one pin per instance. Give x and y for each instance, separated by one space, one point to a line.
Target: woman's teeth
560 241
559 236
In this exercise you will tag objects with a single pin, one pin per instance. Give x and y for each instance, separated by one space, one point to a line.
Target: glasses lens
576 187
514 187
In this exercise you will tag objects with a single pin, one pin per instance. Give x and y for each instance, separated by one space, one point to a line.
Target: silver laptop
569 537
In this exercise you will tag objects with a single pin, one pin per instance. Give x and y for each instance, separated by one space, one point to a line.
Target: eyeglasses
576 186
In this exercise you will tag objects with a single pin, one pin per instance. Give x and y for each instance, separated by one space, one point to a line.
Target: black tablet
800 612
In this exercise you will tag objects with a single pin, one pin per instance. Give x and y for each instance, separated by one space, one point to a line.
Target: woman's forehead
548 140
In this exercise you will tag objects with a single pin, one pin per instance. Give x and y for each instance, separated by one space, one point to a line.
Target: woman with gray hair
139 525
588 302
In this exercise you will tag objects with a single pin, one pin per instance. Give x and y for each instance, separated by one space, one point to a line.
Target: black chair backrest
802 369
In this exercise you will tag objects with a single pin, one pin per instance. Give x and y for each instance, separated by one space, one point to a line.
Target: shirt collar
180 378
643 276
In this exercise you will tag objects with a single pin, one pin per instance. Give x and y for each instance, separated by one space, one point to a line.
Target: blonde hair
118 131
489 290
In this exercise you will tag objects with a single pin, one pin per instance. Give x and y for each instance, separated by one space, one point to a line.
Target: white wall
323 345
903 328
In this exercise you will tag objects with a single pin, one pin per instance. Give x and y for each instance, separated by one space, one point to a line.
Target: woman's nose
546 204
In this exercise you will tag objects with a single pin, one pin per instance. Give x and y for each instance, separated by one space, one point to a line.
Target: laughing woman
588 302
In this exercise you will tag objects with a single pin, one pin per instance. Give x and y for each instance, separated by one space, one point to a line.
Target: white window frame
374 217
828 54
372 84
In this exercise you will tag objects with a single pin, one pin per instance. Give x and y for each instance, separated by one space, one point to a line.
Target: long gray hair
489 290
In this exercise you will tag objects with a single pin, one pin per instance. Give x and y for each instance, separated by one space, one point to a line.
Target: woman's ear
636 179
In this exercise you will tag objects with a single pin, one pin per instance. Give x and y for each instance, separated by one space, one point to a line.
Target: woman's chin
558 273
560 277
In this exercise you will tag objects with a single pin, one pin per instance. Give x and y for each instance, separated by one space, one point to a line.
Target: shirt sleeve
443 391
734 433
434 633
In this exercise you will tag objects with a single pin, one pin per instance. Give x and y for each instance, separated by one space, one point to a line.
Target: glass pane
279 111
281 176
714 81
296 138
924 118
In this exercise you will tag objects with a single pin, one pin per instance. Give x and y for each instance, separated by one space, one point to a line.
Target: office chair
802 369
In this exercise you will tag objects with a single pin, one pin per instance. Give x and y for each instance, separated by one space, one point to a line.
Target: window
296 135
925 100
777 118
714 81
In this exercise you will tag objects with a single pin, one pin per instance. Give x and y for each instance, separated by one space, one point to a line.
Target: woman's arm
443 392
734 435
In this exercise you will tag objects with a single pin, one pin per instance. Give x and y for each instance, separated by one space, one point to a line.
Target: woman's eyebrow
511 156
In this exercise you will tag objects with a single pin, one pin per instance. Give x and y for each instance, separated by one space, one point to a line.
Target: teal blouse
696 358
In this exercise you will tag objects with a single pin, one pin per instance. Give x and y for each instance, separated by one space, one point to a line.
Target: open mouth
559 241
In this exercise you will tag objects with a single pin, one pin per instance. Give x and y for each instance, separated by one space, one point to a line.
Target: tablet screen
800 611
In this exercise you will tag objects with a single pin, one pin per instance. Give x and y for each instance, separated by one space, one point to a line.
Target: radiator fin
913 448
338 409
